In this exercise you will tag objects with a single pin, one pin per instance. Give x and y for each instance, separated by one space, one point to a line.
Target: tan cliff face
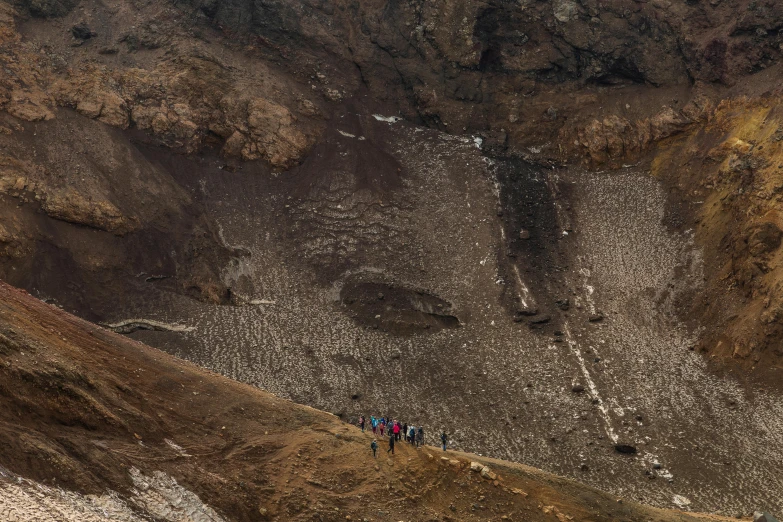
733 164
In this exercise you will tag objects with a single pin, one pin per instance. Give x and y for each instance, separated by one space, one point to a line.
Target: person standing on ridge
405 431
374 448
444 440
391 444
374 424
361 422
396 430
411 437
420 437
382 426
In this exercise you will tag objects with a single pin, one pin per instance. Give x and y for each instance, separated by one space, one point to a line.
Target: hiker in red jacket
396 430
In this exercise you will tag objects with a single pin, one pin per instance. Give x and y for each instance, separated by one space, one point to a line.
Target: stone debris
552 510
488 474
483 470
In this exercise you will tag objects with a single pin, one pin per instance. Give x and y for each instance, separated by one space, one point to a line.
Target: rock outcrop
255 78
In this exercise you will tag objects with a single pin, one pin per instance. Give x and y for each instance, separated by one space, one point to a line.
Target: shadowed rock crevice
530 261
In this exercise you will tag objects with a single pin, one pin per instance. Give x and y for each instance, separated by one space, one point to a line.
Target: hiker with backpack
391 444
374 448
444 439
420 437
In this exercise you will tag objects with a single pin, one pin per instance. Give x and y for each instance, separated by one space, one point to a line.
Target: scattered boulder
82 32
759 516
578 388
483 470
626 449
488 474
524 234
541 319
596 317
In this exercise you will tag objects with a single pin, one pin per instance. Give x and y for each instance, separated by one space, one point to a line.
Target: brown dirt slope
81 406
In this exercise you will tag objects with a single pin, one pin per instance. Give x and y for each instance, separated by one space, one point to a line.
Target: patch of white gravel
157 497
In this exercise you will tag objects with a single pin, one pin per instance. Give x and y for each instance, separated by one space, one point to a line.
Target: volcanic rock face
529 71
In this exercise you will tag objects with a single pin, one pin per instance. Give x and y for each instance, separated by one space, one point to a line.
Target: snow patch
387 119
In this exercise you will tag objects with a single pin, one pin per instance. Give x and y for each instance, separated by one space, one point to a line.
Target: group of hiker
396 431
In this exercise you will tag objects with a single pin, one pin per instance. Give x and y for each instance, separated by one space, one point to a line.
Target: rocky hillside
560 82
552 227
98 427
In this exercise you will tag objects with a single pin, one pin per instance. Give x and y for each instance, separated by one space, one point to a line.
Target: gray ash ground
429 226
